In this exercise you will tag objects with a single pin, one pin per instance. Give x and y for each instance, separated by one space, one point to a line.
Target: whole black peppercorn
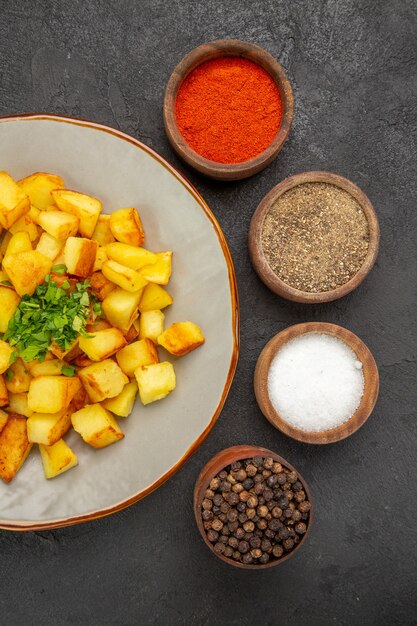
225 531
266 545
225 507
218 499
244 495
252 502
241 507
251 469
274 524
233 499
256 553
304 506
289 494
297 486
237 488
222 475
261 500
209 493
250 513
288 513
291 531
283 532
262 510
247 559
277 551
214 484
271 480
219 547
258 488
276 512
249 526
300 528
207 515
255 542
276 467
288 543
268 495
207 525
223 539
262 524
258 479
212 536
248 484
282 502
296 515
233 542
278 492
242 518
228 551
248 536
216 510
292 477
239 533
258 533
217 524
225 485
268 462
232 515
281 478
266 473
300 496
257 461
235 466
243 547
269 533
231 479
222 517
241 475
271 504
236 555
264 558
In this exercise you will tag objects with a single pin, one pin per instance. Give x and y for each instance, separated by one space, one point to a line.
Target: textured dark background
353 67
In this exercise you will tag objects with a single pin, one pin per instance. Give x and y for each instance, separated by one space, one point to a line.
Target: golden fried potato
14 447
13 201
27 270
103 380
126 226
154 297
57 458
59 224
130 256
102 232
160 271
4 394
47 428
80 256
26 224
9 301
96 426
69 355
123 276
155 381
49 246
181 338
5 355
100 285
3 419
86 208
102 344
18 403
101 257
138 353
121 307
122 404
19 242
50 367
38 187
20 379
51 394
151 324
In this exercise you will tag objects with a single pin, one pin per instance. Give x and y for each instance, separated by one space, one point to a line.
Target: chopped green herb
52 314
13 357
68 370
9 375
6 283
59 269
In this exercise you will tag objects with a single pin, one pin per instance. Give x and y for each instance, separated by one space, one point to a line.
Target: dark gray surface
353 66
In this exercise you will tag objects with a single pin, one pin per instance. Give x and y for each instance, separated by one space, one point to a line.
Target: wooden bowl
268 276
207 52
215 465
370 373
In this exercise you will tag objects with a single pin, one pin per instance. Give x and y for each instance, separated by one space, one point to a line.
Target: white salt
315 382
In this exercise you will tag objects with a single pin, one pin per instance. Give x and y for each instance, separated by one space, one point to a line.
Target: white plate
122 172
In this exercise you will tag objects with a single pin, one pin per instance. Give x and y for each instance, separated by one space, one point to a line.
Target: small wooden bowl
215 465
213 50
268 276
370 373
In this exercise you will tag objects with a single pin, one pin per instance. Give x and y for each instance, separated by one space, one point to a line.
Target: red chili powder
228 109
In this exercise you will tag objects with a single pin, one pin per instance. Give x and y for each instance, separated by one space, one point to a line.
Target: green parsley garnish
6 283
52 314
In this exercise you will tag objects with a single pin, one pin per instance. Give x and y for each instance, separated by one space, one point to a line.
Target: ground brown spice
315 237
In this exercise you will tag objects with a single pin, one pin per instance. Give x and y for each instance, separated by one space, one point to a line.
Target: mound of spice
315 382
315 237
255 510
228 109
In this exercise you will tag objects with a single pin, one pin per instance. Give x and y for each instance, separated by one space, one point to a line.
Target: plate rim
28 525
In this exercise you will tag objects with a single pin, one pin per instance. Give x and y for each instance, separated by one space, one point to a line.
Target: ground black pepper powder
315 237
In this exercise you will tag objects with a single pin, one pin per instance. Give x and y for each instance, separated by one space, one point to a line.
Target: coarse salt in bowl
315 382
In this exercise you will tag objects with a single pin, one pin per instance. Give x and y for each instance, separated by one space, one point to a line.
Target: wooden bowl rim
370 372
206 52
217 463
260 263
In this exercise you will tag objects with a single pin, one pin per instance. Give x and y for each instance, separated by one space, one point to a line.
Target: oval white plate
123 172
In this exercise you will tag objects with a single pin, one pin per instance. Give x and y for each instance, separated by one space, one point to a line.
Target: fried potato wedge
38 187
47 428
103 380
51 394
181 338
151 324
155 381
9 301
80 256
57 458
97 426
59 224
138 353
102 344
121 307
126 226
14 447
122 404
154 297
14 202
86 208
130 256
4 394
27 270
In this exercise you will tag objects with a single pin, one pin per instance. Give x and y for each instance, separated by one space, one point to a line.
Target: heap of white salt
315 382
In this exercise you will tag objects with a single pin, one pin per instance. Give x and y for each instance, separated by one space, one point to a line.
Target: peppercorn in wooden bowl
277 501
243 167
314 237
370 388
